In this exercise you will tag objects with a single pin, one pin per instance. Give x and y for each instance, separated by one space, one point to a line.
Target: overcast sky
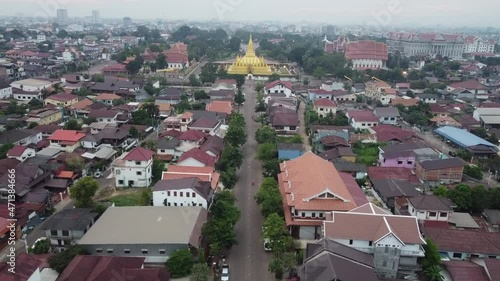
382 12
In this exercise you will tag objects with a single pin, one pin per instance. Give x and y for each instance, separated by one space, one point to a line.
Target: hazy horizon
383 13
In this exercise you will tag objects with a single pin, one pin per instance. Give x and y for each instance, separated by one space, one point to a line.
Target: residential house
109 116
473 86
400 155
108 99
176 60
430 208
403 87
66 140
196 158
213 146
120 86
167 149
341 96
406 102
63 99
5 90
44 116
156 246
222 94
327 260
28 268
66 227
356 170
20 137
82 108
391 189
134 168
115 69
204 174
289 151
387 95
284 121
466 270
324 107
209 126
169 95
438 111
191 139
279 87
427 98
25 96
182 192
375 88
457 244
21 153
310 187
362 119
110 136
394 241
165 109
95 268
31 85
387 115
273 101
314 94
435 172
492 217
46 130
220 106
333 141
366 54
339 154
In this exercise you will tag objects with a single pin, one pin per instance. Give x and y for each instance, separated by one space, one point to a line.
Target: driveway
248 261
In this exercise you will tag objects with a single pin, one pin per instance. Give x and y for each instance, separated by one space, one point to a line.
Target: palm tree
434 273
153 110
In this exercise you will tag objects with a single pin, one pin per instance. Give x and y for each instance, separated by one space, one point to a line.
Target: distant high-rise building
95 16
127 21
62 15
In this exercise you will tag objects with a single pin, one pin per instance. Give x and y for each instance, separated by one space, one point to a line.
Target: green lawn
289 139
366 153
133 199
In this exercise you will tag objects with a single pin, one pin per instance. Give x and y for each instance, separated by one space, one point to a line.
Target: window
370 243
169 204
351 242
139 173
187 194
53 232
168 193
432 214
443 214
386 250
182 204
65 233
120 182
109 251
98 250
162 150
199 204
320 215
313 215
400 162
162 251
303 214
144 251
175 204
363 124
181 194
175 193
138 162
409 162
194 194
457 255
384 264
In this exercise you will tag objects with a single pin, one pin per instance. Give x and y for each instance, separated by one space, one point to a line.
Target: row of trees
267 151
471 199
232 157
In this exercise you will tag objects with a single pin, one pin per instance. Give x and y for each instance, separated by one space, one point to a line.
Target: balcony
419 253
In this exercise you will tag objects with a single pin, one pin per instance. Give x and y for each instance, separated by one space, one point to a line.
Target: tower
95 16
62 15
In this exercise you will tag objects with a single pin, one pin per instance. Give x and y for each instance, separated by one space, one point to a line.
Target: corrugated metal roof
462 137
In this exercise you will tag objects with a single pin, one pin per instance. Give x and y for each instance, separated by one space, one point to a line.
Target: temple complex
250 63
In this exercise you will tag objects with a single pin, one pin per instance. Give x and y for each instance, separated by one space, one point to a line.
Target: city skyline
364 12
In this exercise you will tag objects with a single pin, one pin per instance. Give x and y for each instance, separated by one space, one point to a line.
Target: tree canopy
179 263
83 191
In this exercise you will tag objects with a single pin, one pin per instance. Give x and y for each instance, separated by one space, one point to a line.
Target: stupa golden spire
250 63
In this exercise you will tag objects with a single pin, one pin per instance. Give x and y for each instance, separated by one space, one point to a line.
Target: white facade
280 89
479 45
33 139
67 56
28 97
178 197
332 86
385 99
428 99
351 97
28 153
362 124
173 65
64 147
323 111
429 215
108 120
41 38
31 85
132 173
6 93
367 64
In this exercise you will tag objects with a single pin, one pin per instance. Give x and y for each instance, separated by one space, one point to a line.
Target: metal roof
462 137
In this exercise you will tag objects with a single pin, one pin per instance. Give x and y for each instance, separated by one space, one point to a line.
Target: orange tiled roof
82 104
206 174
106 96
220 106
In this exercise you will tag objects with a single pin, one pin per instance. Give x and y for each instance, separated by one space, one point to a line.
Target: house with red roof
324 107
67 140
63 99
134 168
196 158
176 58
473 86
362 119
107 98
191 139
21 153
366 54
28 267
279 87
114 69
220 106
204 174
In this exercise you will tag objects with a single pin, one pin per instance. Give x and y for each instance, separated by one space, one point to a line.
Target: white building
134 168
332 86
366 54
66 140
427 44
430 208
27 96
324 107
21 153
279 87
362 119
41 38
182 192
5 91
31 85
474 44
67 56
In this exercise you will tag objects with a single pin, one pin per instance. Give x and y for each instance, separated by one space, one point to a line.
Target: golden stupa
250 63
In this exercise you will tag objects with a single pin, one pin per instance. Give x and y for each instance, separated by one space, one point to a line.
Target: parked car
97 174
267 245
224 276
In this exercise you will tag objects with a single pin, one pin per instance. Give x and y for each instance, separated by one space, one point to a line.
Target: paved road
248 261
302 126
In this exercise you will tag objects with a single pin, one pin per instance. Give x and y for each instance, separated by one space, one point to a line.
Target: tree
199 272
269 198
258 87
141 117
473 171
282 263
479 199
157 170
234 44
200 95
194 81
441 191
231 157
236 134
75 163
433 273
267 151
41 247
271 168
133 132
229 178
179 263
83 191
274 230
4 149
60 261
319 72
72 124
208 73
306 82
462 197
62 34
133 67
432 256
239 99
340 119
274 77
265 134
97 78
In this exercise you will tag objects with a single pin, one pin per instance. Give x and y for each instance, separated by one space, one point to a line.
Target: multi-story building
182 192
435 172
63 99
68 226
366 54
394 241
134 168
67 140
44 116
95 16
476 45
62 15
427 44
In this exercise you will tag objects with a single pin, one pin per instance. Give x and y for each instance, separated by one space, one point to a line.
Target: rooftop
442 163
66 135
115 227
139 154
362 115
462 137
431 202
464 241
70 219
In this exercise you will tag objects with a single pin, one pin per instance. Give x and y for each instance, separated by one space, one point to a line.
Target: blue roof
462 137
